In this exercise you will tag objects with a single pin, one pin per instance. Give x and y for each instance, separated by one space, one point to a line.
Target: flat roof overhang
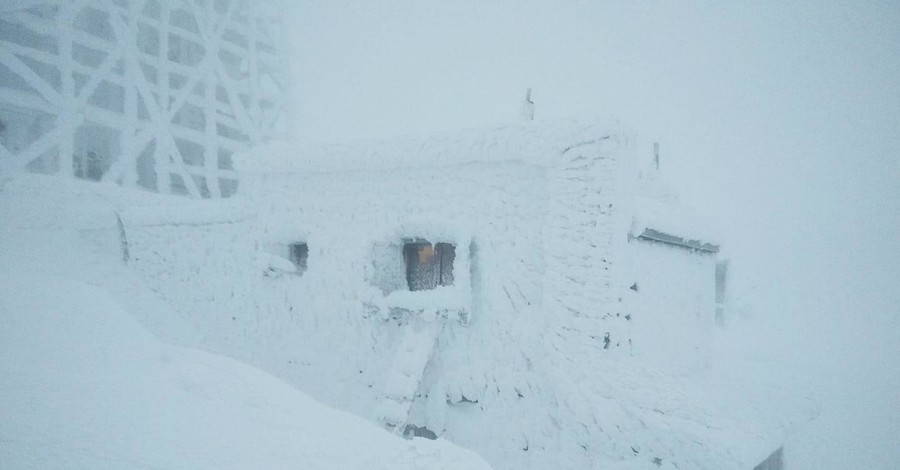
661 237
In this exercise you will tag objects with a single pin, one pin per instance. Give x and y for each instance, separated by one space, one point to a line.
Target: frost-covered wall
154 93
199 255
533 212
672 301
671 273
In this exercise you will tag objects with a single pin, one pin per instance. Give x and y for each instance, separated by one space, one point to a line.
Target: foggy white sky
782 122
778 120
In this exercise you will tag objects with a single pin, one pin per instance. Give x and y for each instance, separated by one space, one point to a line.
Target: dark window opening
427 265
298 254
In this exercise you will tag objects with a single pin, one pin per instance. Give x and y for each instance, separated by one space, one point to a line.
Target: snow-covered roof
533 142
657 213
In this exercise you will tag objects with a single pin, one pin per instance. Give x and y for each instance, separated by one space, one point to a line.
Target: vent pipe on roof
656 156
528 107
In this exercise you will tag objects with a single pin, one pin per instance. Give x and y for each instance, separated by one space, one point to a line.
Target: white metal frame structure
154 93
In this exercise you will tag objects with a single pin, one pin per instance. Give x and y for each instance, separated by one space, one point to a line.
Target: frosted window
427 265
298 254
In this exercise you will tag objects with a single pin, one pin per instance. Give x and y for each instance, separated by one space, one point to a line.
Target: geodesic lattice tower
154 93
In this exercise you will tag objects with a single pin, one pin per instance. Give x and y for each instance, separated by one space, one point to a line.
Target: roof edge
657 236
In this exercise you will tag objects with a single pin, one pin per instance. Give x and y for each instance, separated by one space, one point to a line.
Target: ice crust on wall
540 376
672 304
671 295
491 193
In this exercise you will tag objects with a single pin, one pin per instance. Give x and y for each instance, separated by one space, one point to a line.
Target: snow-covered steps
407 370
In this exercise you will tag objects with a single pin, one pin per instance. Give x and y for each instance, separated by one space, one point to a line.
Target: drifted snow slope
84 385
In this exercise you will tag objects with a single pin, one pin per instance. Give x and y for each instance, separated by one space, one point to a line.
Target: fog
779 122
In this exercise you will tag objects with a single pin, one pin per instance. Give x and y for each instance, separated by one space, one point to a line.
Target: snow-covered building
522 291
526 292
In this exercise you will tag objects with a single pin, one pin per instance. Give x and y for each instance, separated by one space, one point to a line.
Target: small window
286 258
298 254
427 265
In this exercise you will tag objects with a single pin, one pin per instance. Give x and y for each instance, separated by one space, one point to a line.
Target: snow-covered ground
85 385
845 368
